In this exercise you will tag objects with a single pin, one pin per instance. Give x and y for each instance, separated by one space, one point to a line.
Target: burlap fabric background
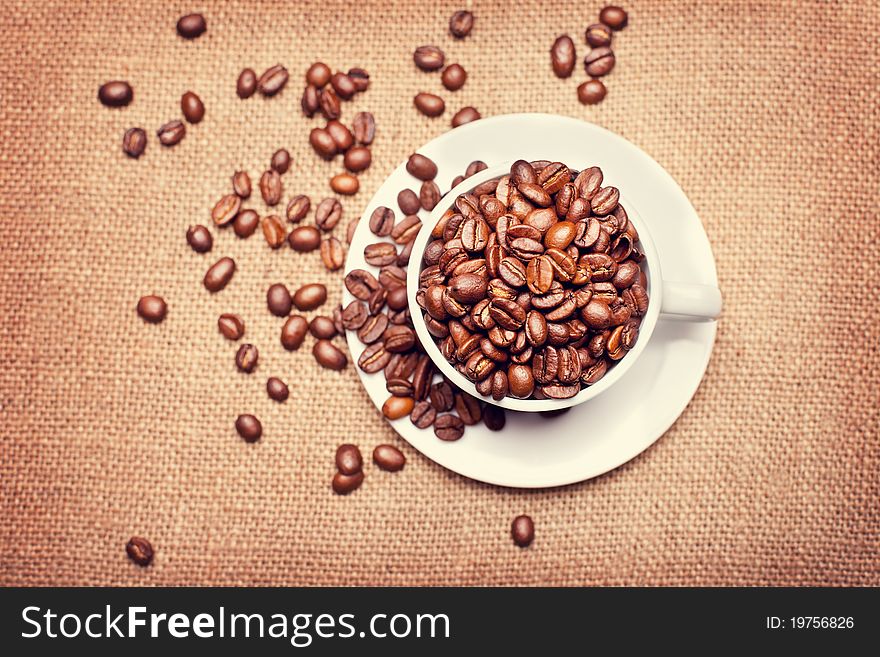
766 113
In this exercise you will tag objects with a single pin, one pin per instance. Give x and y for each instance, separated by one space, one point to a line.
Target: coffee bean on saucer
522 530
191 26
395 408
348 459
429 104
116 93
278 300
562 56
192 107
429 58
448 427
293 333
246 358
591 92
277 389
461 23
246 84
382 221
494 417
249 428
199 238
134 142
230 326
421 167
344 484
465 115
139 550
408 202
152 308
614 17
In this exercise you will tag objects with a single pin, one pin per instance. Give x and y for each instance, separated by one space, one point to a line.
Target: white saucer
599 435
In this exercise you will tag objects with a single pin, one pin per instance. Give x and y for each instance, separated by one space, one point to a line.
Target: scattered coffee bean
298 208
341 136
345 183
328 355
199 238
219 275
332 254
598 35
311 101
562 56
139 550
304 239
348 459
278 300
246 85
343 85
591 92
406 229
408 202
389 458
522 530
226 209
246 358
357 159
271 187
395 408
322 142
429 195
494 417
328 213
230 326
344 484
322 327
364 128
277 389
360 78
116 93
241 184
273 231
246 223
382 221
280 161
361 283
421 167
448 427
429 104
429 58
152 308
294 332
453 77
329 104
318 74
192 107
171 133
465 115
350 229
134 142
272 80
599 62
461 23
191 26
249 428
614 17
310 296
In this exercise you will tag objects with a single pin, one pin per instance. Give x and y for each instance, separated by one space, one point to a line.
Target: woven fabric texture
766 113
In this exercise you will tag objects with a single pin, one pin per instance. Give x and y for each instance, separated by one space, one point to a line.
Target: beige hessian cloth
766 113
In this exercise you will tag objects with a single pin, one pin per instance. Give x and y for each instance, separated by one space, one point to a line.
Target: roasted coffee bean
399 387
602 266
461 23
116 93
596 315
465 115
586 233
539 275
304 239
591 92
494 417
560 391
354 315
397 299
361 283
332 254
343 85
423 415
429 104
272 80
382 221
192 107
191 26
219 274
429 195
468 288
199 238
350 229
569 365
139 550
614 17
491 351
512 271
171 133
521 381
364 128
318 74
526 248
298 208
341 135
429 58
344 484
499 385
249 428
277 389
374 358
246 358
246 85
271 187
329 104
294 332
453 77
345 183
535 328
629 334
563 265
399 338
605 201
588 182
278 300
152 308
389 458
357 159
310 101
322 142
226 209
422 376
359 78
474 234
408 202
373 328
348 459
402 365
380 254
241 184
560 235
406 229
134 142
598 35
562 56
627 274
421 167
376 302
280 161
273 231
395 408
310 296
478 366
328 213
328 355
230 326
592 374
599 62
448 427
468 408
639 299
442 396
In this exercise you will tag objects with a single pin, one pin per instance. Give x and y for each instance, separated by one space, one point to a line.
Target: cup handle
691 301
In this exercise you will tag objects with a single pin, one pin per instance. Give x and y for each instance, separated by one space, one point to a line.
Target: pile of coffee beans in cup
531 285
598 62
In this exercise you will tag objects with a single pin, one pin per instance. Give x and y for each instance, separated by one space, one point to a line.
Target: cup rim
646 328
